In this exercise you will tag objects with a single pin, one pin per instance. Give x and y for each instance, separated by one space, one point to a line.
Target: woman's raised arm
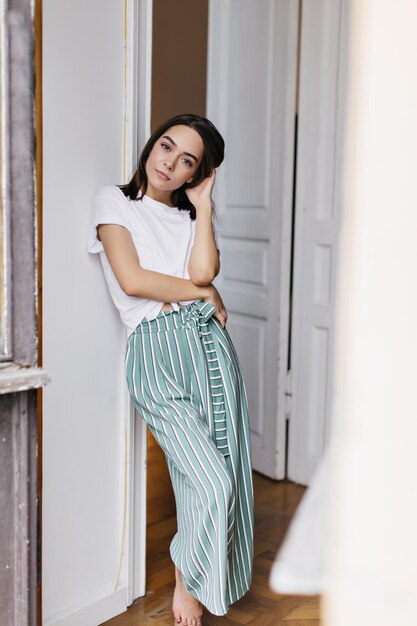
204 263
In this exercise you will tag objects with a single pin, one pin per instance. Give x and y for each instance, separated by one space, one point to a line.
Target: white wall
372 558
83 417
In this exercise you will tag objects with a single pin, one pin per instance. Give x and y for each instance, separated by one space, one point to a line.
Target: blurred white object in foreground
370 558
299 565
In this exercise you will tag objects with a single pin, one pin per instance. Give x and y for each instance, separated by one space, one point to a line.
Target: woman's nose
169 164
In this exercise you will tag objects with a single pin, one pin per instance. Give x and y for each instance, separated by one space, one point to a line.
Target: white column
372 556
83 340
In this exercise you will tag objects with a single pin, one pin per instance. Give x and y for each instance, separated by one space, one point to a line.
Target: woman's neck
160 196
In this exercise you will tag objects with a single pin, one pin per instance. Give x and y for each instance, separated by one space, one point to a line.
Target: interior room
313 210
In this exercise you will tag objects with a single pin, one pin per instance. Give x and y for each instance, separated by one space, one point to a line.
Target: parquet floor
275 504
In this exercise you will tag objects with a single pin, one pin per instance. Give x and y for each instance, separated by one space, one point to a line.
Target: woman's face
173 161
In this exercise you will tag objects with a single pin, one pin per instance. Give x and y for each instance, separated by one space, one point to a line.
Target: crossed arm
203 267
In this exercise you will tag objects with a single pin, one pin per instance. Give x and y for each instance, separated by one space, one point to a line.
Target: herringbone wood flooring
275 504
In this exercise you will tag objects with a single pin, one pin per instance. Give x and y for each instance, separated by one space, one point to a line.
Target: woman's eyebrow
174 144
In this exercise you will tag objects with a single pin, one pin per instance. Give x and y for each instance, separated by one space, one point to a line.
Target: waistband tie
197 314
193 315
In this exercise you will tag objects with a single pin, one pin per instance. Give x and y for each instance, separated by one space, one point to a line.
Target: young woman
158 247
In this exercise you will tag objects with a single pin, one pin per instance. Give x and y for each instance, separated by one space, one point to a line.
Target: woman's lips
162 175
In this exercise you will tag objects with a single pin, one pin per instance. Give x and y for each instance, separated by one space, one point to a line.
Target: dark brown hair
212 157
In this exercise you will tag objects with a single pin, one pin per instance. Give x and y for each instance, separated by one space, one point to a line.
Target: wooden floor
275 504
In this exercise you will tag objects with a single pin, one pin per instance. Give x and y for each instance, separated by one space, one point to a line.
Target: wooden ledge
17 378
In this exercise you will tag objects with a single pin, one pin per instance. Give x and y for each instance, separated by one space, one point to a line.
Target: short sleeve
110 206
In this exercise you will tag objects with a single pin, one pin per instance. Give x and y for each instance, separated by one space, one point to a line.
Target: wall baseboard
93 611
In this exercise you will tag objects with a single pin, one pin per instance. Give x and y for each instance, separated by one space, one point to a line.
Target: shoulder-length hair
213 156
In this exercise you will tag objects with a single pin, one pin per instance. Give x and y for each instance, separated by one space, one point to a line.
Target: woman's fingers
218 315
223 313
203 189
221 316
214 298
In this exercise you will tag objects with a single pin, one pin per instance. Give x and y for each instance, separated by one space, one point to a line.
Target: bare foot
187 609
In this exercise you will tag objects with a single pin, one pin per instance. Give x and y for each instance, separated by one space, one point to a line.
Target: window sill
15 378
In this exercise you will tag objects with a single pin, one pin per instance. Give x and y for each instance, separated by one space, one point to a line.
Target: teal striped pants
185 379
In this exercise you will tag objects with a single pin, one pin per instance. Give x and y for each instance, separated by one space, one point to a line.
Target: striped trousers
185 379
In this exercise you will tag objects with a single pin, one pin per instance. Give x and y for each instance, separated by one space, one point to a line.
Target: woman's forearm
163 287
204 262
137 281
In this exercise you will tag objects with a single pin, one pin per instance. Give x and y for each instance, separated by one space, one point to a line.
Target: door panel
251 99
316 233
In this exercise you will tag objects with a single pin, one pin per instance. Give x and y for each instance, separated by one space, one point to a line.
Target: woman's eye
165 146
187 162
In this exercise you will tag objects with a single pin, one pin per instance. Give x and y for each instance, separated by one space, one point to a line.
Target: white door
317 203
251 98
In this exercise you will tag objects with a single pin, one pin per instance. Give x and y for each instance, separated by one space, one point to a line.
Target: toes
177 617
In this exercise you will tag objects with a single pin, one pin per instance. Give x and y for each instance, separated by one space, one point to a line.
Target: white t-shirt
163 237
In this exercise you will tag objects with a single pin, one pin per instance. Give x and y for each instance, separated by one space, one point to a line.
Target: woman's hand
214 298
201 194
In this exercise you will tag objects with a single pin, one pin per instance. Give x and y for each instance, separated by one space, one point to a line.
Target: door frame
137 124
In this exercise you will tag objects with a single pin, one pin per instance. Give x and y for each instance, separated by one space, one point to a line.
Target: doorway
179 60
267 226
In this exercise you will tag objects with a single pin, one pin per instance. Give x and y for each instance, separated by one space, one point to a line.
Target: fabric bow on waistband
198 312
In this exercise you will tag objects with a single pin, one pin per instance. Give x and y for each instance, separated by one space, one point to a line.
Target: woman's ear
190 179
